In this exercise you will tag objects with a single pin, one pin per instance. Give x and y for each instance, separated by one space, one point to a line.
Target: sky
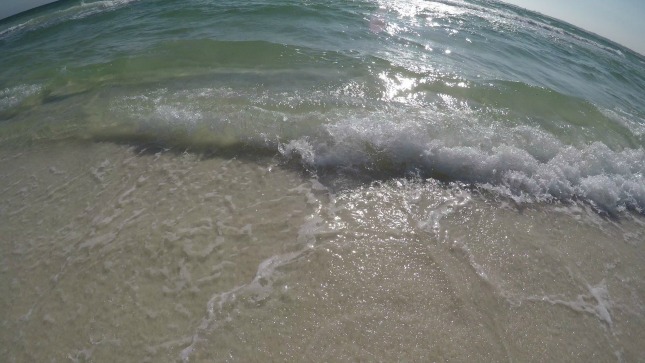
622 21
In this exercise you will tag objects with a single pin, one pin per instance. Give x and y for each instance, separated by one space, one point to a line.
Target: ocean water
196 181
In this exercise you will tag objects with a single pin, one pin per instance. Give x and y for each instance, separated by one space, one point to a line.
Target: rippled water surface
318 181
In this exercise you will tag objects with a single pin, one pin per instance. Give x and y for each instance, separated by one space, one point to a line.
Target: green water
318 181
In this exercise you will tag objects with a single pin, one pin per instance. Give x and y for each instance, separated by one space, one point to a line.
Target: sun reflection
412 11
415 8
397 86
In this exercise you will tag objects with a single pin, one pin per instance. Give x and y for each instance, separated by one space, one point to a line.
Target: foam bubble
596 303
11 97
447 139
504 159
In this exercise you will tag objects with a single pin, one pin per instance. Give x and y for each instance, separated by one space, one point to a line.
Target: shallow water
115 253
253 181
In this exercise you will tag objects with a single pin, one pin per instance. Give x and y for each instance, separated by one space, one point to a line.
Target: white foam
13 96
596 303
516 161
300 147
259 289
445 138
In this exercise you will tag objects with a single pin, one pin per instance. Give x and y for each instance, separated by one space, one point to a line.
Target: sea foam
448 140
536 168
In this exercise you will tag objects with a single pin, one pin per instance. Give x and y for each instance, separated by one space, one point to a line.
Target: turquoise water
463 91
329 180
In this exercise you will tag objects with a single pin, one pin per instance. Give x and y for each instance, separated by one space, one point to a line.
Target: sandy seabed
117 253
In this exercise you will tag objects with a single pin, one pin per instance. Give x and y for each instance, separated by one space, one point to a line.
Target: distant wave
7 10
75 12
